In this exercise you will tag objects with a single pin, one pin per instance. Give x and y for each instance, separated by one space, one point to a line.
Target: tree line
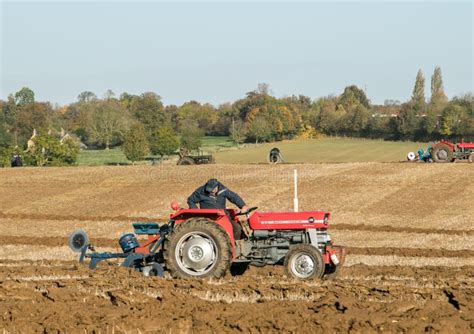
142 123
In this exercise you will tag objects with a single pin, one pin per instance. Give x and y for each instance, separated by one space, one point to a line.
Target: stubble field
409 230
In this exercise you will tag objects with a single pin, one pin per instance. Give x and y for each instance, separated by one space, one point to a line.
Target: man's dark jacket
207 201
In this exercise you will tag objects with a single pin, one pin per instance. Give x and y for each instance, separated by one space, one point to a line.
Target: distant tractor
186 159
444 151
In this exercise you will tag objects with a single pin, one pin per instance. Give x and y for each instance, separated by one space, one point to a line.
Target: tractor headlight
326 218
311 219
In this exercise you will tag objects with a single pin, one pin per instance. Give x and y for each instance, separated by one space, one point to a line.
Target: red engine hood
466 145
289 220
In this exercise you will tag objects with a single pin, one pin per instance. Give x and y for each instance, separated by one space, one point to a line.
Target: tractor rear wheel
186 161
471 157
304 262
442 153
198 248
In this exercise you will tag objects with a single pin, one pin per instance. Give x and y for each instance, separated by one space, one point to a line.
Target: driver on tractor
213 195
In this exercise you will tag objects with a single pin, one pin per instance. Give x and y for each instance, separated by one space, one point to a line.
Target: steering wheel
248 211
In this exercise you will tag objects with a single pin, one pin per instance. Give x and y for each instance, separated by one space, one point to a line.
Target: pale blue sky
216 52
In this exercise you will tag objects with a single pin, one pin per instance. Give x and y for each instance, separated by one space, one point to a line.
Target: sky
216 52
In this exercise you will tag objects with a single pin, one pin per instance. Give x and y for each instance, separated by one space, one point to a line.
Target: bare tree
238 131
108 125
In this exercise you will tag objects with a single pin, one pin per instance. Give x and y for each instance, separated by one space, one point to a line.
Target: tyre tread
308 249
437 148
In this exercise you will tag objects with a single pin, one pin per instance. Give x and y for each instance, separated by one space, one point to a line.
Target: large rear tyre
186 161
304 262
442 153
197 248
471 158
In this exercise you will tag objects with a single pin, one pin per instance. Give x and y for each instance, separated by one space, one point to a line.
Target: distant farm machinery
186 159
444 152
275 156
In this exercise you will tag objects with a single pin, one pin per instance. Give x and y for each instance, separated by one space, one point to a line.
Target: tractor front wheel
442 153
197 248
304 262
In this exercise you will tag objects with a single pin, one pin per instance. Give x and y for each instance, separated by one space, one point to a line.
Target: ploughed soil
68 297
412 224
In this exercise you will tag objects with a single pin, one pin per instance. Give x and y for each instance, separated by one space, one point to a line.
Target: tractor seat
146 228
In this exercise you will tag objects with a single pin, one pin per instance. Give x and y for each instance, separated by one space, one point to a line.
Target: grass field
115 155
216 143
297 151
323 150
101 157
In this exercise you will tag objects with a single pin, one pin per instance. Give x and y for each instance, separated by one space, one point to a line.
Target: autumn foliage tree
103 122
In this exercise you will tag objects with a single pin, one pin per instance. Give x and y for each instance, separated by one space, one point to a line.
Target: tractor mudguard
451 145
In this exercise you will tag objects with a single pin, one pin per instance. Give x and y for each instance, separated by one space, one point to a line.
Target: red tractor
199 243
444 151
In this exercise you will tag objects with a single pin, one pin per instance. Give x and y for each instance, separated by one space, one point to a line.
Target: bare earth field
409 229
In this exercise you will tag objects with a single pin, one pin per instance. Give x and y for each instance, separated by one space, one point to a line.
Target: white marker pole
295 199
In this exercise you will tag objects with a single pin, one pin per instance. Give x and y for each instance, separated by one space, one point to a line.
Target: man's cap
211 184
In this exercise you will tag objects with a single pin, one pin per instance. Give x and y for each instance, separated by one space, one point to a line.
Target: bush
164 142
191 138
6 149
67 152
5 156
307 132
49 151
135 145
